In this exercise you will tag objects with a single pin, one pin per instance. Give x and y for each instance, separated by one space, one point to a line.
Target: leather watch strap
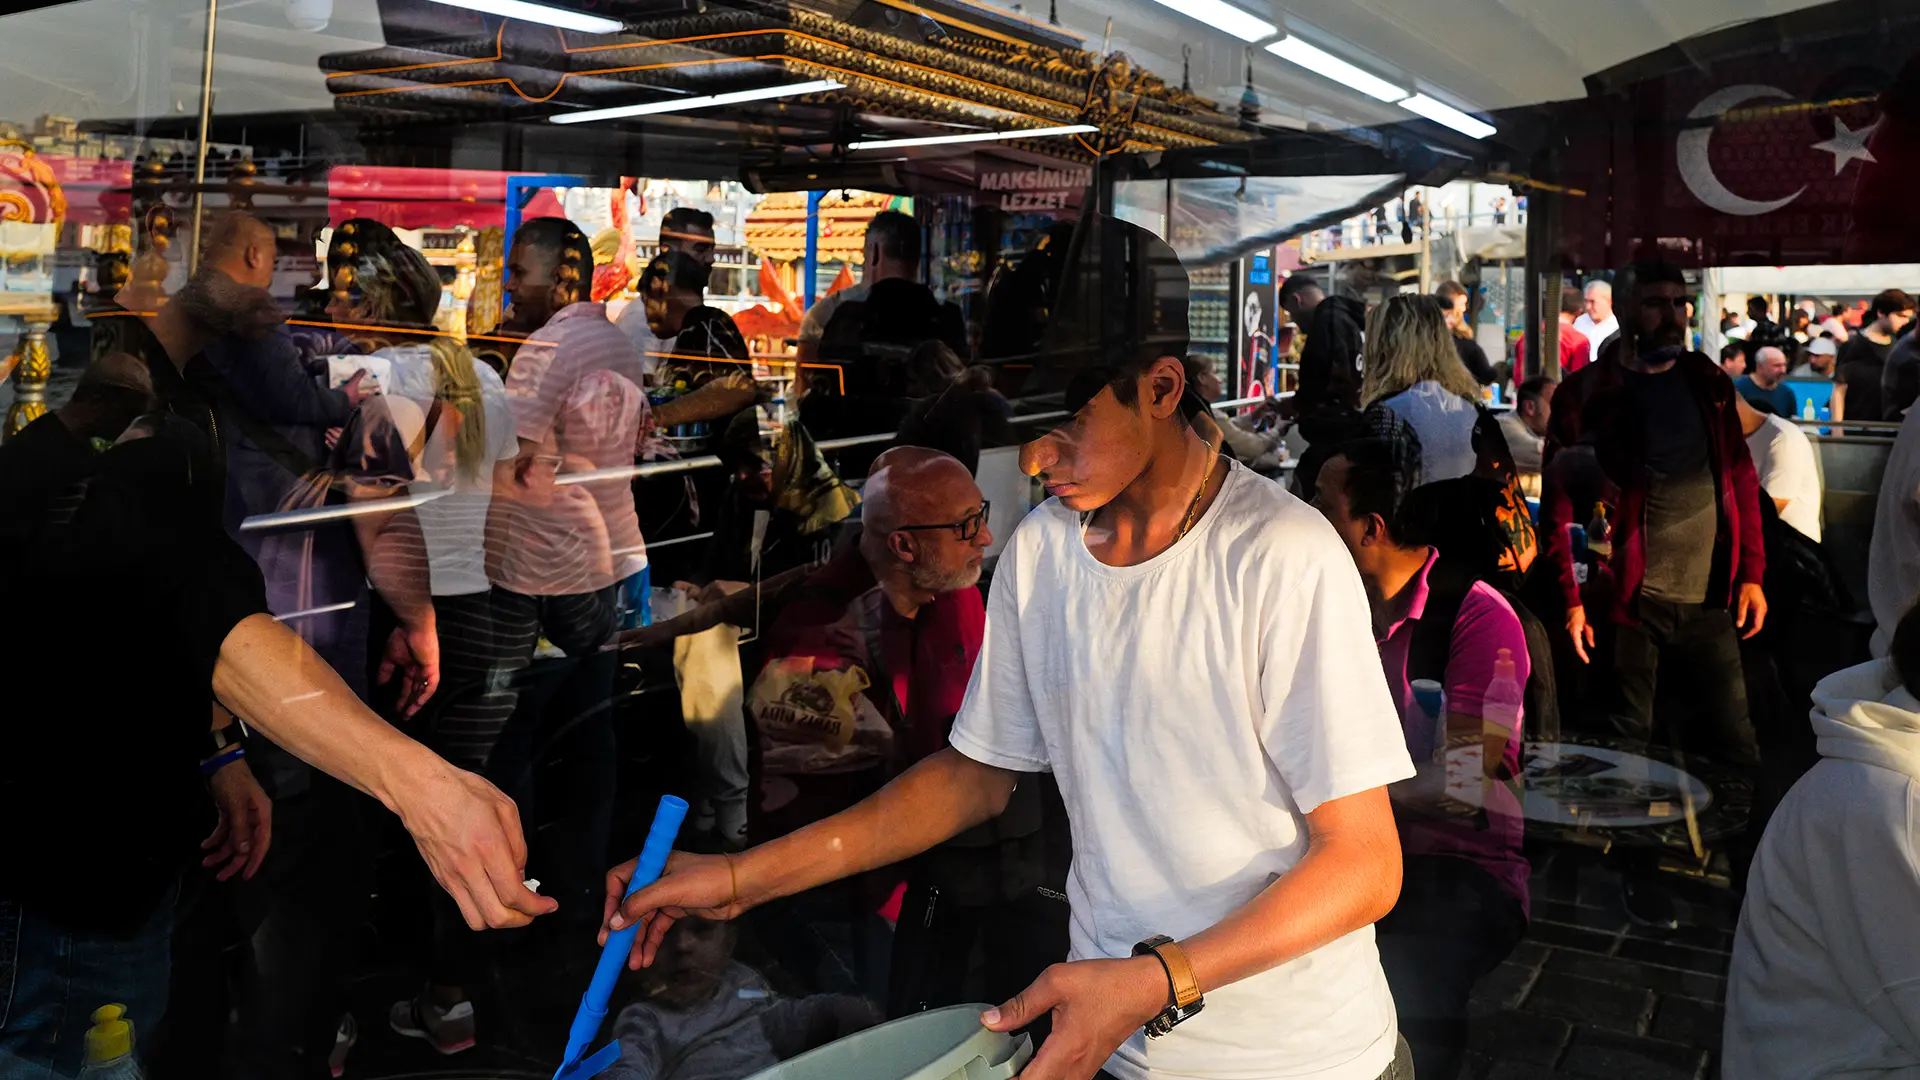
1186 989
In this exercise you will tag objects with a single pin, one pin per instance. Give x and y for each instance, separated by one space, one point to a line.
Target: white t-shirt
1194 708
454 525
1597 332
1444 422
1783 459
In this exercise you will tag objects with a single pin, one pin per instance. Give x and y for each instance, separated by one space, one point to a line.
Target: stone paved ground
1588 995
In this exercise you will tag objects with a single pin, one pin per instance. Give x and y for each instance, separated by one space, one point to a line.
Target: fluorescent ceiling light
1224 16
541 13
1442 113
734 97
974 136
1325 64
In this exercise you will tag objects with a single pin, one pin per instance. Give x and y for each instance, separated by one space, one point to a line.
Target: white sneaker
448 1030
343 1040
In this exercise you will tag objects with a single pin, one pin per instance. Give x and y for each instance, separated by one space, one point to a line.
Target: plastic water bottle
1503 702
110 1046
1431 699
1807 411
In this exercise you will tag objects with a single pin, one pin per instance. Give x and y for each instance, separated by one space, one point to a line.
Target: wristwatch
1183 997
219 741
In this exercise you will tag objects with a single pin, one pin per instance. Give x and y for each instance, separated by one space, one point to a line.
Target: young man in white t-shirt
1188 649
1783 459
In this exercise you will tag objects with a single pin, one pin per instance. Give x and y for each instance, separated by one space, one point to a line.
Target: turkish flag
1886 216
1742 164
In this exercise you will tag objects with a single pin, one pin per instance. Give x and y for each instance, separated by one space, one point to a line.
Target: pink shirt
575 388
1484 625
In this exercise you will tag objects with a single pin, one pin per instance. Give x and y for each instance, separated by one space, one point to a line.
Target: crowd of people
1201 741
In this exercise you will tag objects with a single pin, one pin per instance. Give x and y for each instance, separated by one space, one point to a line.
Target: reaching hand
1096 1006
701 885
245 830
469 834
357 389
413 652
1750 609
1580 632
712 592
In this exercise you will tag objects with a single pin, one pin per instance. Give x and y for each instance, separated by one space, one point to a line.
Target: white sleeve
1791 473
998 724
1327 721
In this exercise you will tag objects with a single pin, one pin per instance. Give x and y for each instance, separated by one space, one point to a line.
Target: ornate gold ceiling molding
960 80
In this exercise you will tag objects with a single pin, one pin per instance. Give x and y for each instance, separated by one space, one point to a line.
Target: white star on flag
1846 145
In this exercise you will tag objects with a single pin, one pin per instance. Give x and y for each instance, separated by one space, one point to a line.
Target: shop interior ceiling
393 64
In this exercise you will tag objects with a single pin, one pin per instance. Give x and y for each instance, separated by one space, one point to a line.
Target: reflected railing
283 520
1365 231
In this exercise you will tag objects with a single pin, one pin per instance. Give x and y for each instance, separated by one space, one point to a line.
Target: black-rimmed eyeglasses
967 527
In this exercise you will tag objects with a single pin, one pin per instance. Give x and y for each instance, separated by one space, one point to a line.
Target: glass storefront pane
503 333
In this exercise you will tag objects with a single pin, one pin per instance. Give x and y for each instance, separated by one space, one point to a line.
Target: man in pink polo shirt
1463 905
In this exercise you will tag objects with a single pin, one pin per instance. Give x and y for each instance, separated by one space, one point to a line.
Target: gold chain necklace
1193 508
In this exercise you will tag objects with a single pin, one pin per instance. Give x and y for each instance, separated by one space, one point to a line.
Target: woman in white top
1411 369
451 412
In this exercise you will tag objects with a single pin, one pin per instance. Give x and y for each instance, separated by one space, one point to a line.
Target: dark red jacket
1594 406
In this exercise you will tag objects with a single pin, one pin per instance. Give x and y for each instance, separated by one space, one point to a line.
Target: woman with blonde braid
1411 370
451 412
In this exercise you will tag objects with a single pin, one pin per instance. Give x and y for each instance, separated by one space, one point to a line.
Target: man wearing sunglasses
895 620
1178 641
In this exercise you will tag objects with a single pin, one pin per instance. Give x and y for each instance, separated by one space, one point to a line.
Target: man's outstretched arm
939 798
466 829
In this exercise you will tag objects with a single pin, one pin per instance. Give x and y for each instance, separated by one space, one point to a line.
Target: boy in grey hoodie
707 1017
1825 979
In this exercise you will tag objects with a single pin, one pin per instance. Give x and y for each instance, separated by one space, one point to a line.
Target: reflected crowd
1003 665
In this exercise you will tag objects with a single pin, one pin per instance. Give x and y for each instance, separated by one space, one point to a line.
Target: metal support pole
1543 284
810 266
206 119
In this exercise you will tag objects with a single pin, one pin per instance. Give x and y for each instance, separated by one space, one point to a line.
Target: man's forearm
710 402
939 798
268 677
1349 878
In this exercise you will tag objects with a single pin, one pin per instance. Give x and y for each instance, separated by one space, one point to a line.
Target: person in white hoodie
1825 979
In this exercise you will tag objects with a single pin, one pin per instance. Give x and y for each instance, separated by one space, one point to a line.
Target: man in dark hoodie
1328 400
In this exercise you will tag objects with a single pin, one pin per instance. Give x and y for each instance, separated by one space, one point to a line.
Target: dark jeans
1451 926
1699 646
274 950
53 977
1700 642
301 915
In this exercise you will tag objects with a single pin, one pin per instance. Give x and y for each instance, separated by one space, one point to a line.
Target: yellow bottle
110 1046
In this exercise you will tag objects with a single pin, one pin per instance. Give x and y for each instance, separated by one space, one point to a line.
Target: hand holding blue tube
593 1004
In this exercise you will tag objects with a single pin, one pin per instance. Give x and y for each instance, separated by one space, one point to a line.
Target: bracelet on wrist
222 759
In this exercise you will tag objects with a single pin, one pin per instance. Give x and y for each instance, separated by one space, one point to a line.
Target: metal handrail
320 515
